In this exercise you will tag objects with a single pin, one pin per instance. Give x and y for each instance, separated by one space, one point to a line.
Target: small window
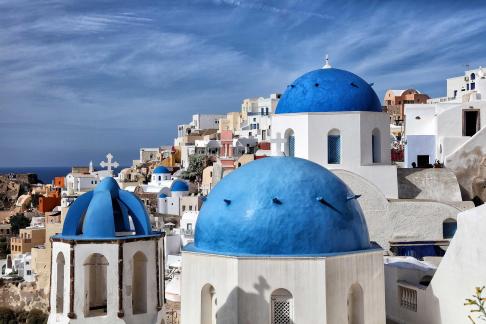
473 86
334 147
449 227
282 307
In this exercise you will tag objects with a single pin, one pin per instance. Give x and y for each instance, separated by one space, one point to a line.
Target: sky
79 79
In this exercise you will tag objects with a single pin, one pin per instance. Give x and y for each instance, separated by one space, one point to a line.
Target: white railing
408 298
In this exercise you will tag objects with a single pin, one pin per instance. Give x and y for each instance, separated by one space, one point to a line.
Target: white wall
393 219
461 270
110 251
311 132
419 145
244 285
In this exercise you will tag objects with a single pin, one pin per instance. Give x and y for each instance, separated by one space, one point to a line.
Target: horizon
80 80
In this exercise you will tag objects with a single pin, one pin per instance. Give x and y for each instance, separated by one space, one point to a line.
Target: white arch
95 285
139 283
334 146
376 146
355 304
289 149
60 265
208 304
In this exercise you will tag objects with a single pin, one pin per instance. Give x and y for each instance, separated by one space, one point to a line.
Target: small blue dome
161 170
179 185
162 195
328 90
280 206
101 213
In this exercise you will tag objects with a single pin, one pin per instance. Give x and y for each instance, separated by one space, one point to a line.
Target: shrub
7 316
36 316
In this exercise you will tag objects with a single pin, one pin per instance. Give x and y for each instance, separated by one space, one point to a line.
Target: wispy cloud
73 72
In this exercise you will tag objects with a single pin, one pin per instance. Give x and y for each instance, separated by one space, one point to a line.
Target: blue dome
161 170
328 90
162 195
280 206
179 185
101 213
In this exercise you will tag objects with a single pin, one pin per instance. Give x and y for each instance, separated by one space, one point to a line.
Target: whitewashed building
420 293
107 264
451 130
263 254
334 118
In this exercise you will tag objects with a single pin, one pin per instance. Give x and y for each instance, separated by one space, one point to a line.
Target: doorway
470 122
423 161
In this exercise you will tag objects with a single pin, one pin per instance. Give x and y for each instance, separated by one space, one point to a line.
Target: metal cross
277 142
109 164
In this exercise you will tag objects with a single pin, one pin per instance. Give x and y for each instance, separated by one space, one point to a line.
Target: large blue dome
280 206
104 213
328 90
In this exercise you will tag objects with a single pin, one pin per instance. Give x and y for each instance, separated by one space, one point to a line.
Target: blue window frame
449 229
291 145
334 149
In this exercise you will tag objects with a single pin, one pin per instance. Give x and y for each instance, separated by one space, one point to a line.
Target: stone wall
23 296
469 164
430 184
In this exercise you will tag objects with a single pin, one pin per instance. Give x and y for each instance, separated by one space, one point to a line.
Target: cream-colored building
232 122
27 239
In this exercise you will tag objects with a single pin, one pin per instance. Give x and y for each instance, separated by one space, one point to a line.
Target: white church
282 249
107 264
334 118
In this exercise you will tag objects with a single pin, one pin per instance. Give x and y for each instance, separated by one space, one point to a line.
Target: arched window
473 76
289 143
449 227
208 305
139 283
376 145
334 147
355 305
60 262
95 289
282 307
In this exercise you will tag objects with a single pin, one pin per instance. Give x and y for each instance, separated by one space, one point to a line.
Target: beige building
395 101
27 239
232 122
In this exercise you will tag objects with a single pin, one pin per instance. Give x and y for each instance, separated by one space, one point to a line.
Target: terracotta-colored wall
59 182
47 204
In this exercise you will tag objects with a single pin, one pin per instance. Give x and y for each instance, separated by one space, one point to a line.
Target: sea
45 174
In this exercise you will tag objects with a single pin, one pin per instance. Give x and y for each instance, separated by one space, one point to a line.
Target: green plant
36 316
197 163
478 303
17 222
7 316
35 200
